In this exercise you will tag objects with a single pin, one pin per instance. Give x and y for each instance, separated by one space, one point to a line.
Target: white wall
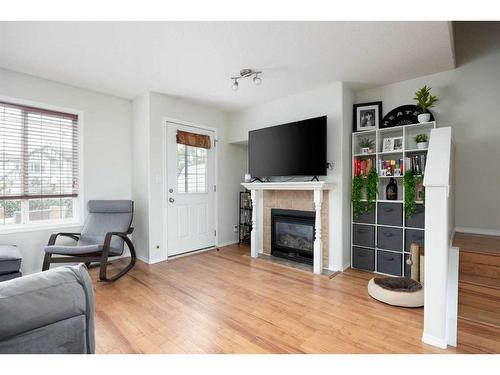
347 102
231 167
106 147
327 100
469 103
140 175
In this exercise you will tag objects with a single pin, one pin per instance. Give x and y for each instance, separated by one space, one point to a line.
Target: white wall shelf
408 132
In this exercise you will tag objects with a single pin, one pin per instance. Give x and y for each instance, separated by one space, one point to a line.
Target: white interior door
190 193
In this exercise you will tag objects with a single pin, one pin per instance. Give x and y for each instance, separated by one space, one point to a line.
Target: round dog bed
397 291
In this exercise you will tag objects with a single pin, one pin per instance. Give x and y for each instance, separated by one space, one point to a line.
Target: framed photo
392 144
366 116
397 144
388 145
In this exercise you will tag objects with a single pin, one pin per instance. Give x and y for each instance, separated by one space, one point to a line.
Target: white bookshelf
408 132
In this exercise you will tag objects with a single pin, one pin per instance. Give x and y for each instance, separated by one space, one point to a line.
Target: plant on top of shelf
422 141
425 101
409 184
357 189
371 189
367 145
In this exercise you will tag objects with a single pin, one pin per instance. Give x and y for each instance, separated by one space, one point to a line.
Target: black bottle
391 191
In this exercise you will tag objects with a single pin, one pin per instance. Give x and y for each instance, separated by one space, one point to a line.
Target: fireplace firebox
292 234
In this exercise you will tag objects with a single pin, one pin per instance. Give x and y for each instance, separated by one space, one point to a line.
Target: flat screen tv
293 149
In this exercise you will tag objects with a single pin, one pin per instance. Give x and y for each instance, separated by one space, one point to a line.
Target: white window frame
78 202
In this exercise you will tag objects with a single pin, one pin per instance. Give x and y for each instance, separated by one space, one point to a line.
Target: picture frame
397 144
366 116
392 144
388 144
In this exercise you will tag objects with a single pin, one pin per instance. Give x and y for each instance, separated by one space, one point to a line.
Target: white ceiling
195 60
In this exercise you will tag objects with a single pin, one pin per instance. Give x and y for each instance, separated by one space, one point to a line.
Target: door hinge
215 232
215 188
215 142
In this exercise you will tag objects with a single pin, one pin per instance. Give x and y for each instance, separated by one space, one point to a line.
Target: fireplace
292 235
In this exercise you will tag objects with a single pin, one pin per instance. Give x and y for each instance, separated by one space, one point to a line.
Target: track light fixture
246 73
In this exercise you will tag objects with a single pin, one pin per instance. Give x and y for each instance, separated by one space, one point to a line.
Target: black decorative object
402 115
391 191
366 116
245 224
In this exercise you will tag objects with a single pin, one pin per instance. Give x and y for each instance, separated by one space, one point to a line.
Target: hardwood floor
227 302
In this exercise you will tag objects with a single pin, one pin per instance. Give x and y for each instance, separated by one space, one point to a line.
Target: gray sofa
48 312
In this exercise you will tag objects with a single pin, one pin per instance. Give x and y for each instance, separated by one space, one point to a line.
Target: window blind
38 153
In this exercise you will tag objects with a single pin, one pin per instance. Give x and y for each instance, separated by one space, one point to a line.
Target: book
363 166
394 167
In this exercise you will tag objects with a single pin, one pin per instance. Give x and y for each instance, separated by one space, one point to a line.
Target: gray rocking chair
103 235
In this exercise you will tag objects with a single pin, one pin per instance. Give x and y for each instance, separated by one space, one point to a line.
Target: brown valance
193 139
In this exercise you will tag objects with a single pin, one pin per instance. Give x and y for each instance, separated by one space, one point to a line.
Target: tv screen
293 149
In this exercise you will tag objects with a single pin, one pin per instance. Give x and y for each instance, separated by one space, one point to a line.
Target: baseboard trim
434 341
487 232
227 243
194 252
143 259
149 261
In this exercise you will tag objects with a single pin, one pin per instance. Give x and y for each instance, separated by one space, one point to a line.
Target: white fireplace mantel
306 185
256 191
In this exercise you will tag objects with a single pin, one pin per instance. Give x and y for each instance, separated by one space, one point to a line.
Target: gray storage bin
363 258
366 217
389 263
363 235
413 235
390 214
417 220
390 238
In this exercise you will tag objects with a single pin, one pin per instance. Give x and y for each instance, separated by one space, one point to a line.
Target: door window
191 169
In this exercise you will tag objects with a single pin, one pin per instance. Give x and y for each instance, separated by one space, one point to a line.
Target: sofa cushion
10 259
61 337
40 299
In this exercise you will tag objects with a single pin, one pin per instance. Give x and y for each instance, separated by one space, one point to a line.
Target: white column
253 234
318 242
436 267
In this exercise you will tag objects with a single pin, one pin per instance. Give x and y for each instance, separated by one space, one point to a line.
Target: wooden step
479 264
479 296
477 243
478 292
478 284
478 337
479 315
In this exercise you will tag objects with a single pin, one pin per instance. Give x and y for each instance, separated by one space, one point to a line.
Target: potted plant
422 141
425 101
367 145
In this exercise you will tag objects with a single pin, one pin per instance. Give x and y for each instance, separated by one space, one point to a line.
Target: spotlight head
257 80
235 85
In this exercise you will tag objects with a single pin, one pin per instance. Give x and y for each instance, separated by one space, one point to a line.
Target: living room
238 187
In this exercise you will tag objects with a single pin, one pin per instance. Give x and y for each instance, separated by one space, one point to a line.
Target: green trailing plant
422 138
367 142
357 190
370 184
424 99
371 189
410 187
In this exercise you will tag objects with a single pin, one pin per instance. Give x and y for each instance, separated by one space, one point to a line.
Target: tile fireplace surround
304 196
